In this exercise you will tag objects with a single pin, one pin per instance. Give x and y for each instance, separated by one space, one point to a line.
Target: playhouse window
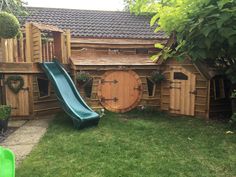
88 87
44 87
180 76
151 88
219 89
141 51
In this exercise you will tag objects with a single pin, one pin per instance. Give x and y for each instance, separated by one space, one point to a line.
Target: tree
203 29
141 6
9 25
15 7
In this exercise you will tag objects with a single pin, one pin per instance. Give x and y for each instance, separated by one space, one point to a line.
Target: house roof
94 23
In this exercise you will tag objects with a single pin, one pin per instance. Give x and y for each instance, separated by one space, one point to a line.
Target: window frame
49 87
174 76
221 87
154 88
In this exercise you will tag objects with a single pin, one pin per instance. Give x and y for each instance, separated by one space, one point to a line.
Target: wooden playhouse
23 84
115 49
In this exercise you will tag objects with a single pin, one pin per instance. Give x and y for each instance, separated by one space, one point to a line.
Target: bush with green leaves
9 25
157 77
233 95
83 77
232 121
204 30
5 112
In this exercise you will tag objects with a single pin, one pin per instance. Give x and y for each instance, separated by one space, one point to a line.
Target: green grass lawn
134 145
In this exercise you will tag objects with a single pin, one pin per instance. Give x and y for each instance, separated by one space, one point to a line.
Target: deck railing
32 47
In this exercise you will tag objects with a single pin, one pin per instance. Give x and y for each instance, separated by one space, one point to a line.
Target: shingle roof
95 24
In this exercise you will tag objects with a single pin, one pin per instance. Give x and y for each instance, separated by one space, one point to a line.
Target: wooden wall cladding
20 102
44 104
201 88
142 72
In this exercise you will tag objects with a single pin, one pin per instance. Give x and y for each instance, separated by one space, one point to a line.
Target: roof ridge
31 7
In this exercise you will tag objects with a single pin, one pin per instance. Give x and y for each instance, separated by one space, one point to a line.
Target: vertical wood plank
68 45
19 101
29 47
15 50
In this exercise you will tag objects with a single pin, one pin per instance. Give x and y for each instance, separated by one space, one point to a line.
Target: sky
111 5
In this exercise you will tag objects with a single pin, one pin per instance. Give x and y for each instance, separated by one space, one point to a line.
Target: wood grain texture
20 101
127 90
182 93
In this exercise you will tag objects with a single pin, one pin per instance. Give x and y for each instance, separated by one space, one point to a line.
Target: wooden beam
111 46
116 41
29 47
68 44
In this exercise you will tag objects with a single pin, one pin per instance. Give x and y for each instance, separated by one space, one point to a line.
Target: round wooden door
120 91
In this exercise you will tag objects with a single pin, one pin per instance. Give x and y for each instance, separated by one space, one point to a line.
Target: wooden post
29 47
1 53
4 50
10 50
68 45
40 46
57 36
15 50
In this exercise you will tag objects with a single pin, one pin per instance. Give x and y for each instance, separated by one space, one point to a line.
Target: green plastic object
71 101
7 163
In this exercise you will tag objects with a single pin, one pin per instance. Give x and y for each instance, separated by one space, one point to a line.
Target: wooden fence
31 47
12 50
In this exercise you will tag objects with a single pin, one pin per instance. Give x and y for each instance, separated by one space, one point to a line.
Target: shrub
233 95
83 77
5 112
9 25
232 121
157 77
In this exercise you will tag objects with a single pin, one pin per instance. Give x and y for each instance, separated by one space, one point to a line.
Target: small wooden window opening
151 87
180 76
142 51
43 87
88 87
219 88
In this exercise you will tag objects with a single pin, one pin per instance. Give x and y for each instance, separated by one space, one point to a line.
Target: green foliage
232 121
5 112
83 77
15 7
157 77
142 6
15 83
203 29
231 73
9 25
233 95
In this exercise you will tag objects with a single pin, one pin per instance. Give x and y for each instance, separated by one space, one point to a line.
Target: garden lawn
134 145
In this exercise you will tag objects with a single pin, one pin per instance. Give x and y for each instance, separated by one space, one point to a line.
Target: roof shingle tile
93 23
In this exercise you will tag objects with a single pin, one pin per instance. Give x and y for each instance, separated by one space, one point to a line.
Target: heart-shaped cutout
15 83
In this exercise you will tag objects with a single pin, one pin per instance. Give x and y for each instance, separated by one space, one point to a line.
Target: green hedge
9 25
5 112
